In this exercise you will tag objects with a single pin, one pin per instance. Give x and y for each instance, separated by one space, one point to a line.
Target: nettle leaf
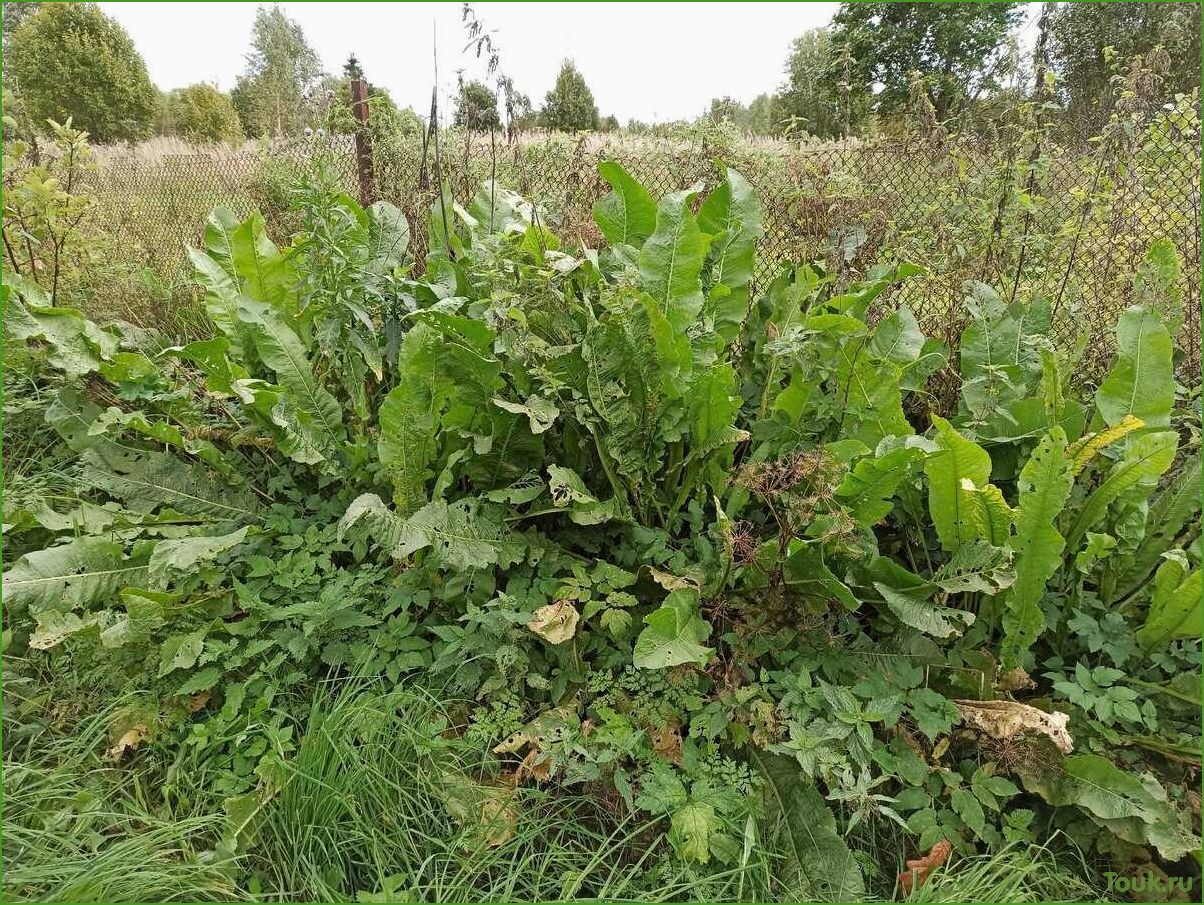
182 554
674 635
1045 484
627 215
1141 383
731 215
818 865
957 460
928 618
867 490
671 260
1175 606
968 808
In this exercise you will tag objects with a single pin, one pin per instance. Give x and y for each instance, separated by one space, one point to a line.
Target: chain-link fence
1070 222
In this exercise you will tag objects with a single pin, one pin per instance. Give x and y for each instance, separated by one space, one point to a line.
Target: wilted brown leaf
129 741
919 869
666 741
671 582
1007 719
1015 680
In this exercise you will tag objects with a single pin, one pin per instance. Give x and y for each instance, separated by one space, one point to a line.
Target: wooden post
363 141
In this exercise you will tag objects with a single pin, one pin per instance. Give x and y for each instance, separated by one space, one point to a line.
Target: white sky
649 61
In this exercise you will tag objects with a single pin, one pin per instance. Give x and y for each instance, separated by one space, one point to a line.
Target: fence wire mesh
1074 231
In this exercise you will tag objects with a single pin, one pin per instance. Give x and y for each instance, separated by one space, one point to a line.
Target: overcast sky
650 61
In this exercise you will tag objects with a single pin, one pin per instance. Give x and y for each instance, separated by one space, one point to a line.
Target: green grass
1018 873
80 829
382 798
382 801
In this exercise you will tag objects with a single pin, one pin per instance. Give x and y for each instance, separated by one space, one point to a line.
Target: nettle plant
714 554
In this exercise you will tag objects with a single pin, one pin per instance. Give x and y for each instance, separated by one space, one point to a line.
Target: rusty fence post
363 141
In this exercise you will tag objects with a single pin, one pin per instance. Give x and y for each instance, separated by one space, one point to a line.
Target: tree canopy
203 113
71 60
476 107
952 46
1082 32
275 93
810 98
569 106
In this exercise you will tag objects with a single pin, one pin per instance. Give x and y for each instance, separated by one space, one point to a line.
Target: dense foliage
201 113
273 93
713 558
569 105
72 61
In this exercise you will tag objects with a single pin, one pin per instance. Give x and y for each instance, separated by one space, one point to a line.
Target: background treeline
873 67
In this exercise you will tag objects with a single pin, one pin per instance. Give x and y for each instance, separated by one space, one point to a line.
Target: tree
760 115
725 110
202 113
476 107
569 106
384 117
275 93
71 60
811 98
952 46
1081 34
14 14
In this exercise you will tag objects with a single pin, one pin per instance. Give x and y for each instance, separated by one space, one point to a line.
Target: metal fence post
363 141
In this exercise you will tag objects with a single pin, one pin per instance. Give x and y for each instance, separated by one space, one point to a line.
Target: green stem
616 485
1164 689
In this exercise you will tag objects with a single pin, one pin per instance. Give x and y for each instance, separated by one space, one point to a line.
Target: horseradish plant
717 554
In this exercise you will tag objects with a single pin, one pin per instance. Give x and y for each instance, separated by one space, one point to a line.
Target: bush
73 61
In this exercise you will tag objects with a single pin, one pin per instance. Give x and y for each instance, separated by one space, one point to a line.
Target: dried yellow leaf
556 622
1007 719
